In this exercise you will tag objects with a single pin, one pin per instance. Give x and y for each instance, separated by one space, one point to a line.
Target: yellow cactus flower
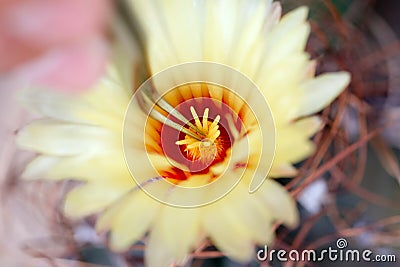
100 138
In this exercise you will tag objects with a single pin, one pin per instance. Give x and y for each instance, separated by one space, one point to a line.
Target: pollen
203 145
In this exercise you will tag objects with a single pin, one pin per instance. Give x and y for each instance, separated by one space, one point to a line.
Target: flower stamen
205 146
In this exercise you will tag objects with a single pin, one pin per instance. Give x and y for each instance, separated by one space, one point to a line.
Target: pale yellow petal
53 104
130 219
252 27
228 233
280 86
282 170
201 33
164 33
126 59
231 38
278 201
243 220
157 254
252 213
308 126
321 91
79 167
288 37
178 229
293 143
87 108
90 198
66 139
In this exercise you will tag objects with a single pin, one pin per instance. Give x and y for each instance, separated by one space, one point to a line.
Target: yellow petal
308 126
278 201
289 36
282 170
178 229
228 234
129 220
87 108
53 104
79 167
258 218
281 89
238 221
293 144
156 257
90 198
66 139
321 91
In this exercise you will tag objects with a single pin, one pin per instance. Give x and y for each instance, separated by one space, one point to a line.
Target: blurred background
348 189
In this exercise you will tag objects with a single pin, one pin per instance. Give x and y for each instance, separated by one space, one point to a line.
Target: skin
59 44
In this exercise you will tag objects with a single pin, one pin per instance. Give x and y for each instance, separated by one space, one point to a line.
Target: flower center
197 143
206 146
